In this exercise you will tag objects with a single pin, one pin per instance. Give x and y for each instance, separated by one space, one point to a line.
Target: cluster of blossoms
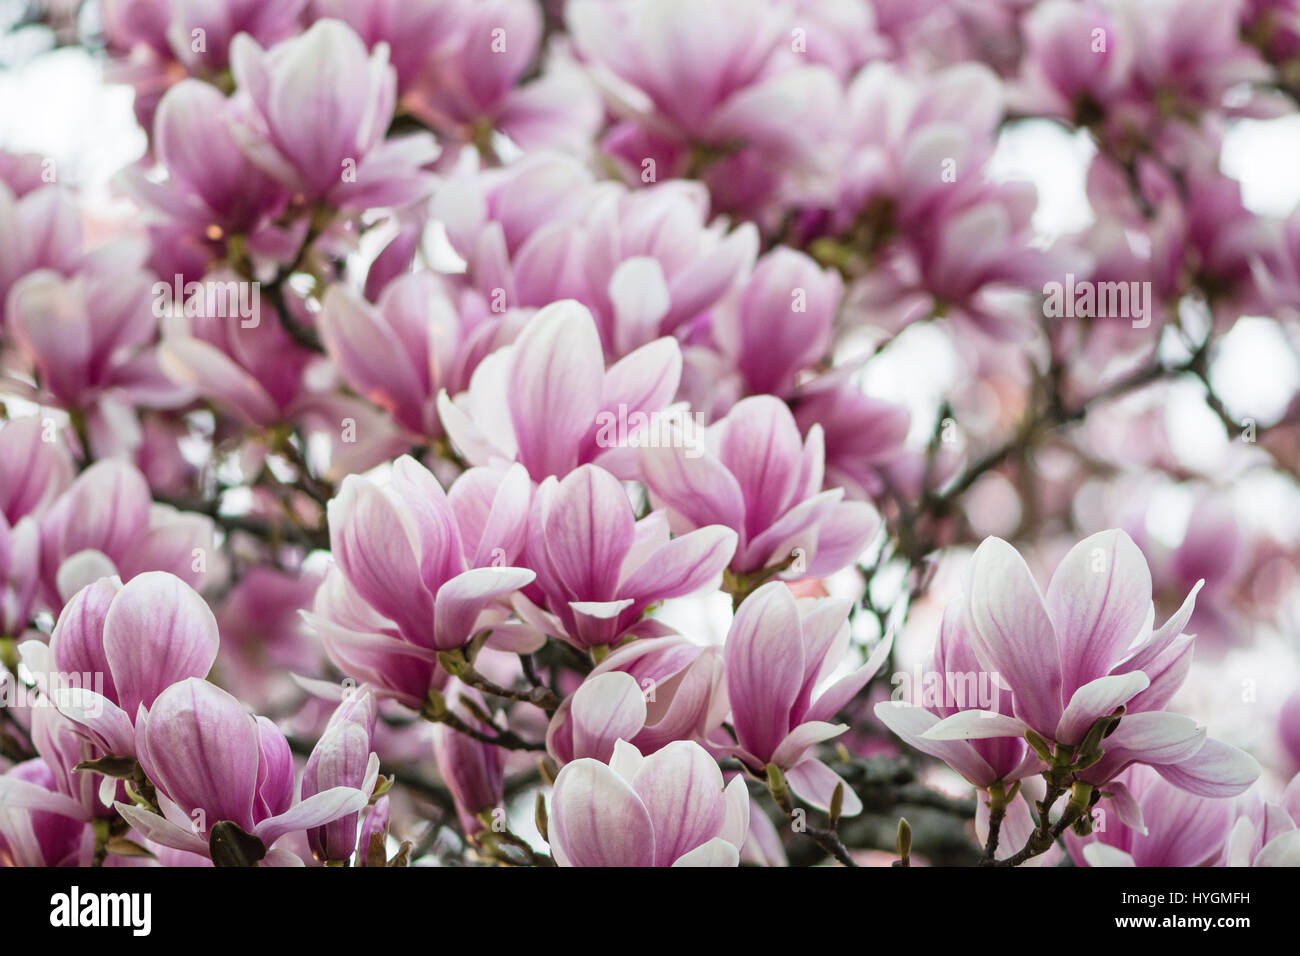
472 445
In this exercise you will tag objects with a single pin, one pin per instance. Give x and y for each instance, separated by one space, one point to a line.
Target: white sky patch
1056 162
1256 370
1261 155
58 106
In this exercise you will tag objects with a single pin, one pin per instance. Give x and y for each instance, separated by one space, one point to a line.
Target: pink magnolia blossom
413 343
213 762
138 639
674 694
406 583
782 322
92 336
599 568
473 771
1085 652
666 809
213 189
562 406
332 149
108 524
1155 824
40 229
473 83
34 471
757 475
782 663
958 686
341 758
648 263
1266 833
678 105
38 825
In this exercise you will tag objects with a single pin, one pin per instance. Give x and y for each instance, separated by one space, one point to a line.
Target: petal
464 597
606 708
736 811
1098 601
598 820
376 545
370 356
911 722
717 852
694 484
815 784
1215 770
1282 850
976 725
796 743
189 361
158 631
681 787
202 751
1096 699
1012 633
1156 738
556 379
159 829
683 566
1102 854
764 666
315 811
589 529
639 295
761 446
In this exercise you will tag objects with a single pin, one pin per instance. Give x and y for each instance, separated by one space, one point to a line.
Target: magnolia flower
1267 834
647 263
117 647
667 809
38 825
210 180
1085 653
782 662
471 80
863 435
661 689
548 402
407 583
758 476
781 323
108 524
1154 823
655 264
214 765
412 29
599 568
34 471
678 106
401 352
473 771
341 758
962 685
39 230
92 335
332 150
267 21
